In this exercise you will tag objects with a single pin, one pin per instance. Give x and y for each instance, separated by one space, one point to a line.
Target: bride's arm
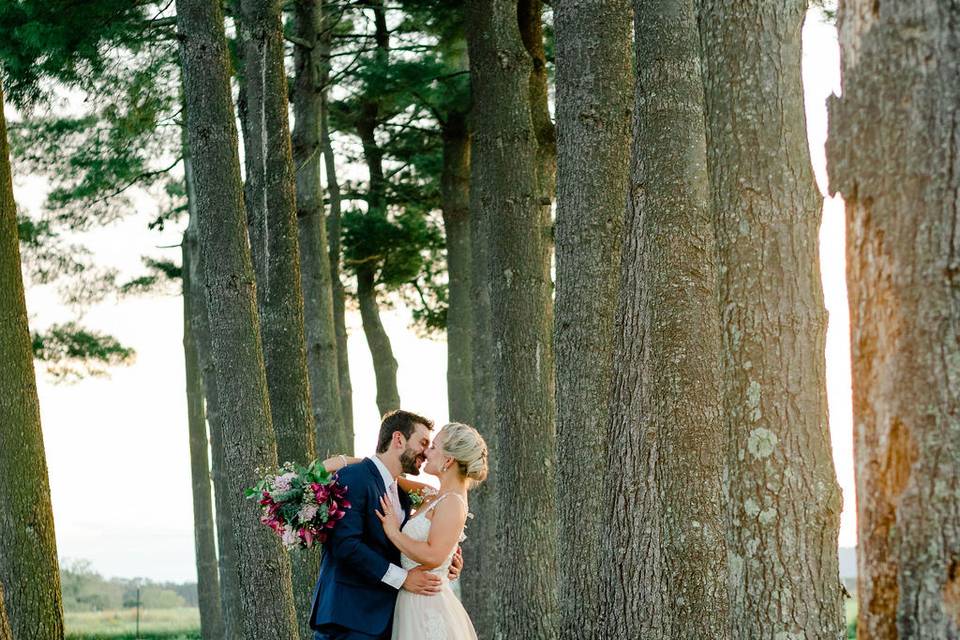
335 463
445 529
409 485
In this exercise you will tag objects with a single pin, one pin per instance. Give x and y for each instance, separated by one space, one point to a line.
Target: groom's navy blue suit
350 600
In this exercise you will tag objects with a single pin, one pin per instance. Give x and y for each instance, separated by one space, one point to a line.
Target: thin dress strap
439 498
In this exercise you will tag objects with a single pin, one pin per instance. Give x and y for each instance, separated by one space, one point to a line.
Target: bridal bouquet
300 504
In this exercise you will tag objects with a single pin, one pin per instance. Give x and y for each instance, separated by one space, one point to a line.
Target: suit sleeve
346 541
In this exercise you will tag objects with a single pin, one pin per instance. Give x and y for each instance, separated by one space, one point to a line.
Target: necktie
395 499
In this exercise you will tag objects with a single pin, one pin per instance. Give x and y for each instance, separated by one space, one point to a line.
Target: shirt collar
388 478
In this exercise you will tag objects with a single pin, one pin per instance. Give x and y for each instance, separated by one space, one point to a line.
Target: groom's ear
397 439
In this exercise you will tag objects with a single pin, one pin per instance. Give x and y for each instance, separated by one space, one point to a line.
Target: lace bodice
418 528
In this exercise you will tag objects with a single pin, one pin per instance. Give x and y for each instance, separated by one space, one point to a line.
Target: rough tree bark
504 178
455 194
223 514
479 580
893 150
665 556
5 632
315 279
272 212
324 43
29 573
204 531
339 295
266 603
594 77
784 502
530 19
200 329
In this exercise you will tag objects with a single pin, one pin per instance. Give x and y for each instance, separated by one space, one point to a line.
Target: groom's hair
399 420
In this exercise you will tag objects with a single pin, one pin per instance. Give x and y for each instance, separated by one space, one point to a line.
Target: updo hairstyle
464 444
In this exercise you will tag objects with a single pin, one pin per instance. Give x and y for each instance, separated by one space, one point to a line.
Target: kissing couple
386 570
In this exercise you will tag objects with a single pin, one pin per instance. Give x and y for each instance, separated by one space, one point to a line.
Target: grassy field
184 624
156 624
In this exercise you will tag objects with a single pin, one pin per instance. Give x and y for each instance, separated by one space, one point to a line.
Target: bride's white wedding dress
439 617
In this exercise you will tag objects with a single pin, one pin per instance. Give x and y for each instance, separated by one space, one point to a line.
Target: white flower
289 537
307 512
282 483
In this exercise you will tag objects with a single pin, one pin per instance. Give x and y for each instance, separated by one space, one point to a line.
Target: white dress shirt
395 575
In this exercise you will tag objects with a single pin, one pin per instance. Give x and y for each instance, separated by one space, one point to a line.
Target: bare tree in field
665 570
29 573
893 153
504 180
245 426
594 77
322 359
784 502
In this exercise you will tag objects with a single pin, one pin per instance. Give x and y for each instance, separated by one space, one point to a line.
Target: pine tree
892 152
266 603
594 76
316 283
664 560
208 578
506 188
29 573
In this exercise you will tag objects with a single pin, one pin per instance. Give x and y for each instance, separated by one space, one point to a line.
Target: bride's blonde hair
464 444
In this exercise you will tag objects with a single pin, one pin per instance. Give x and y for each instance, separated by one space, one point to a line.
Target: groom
360 573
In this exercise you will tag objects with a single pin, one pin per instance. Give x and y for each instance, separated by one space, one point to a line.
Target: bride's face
435 457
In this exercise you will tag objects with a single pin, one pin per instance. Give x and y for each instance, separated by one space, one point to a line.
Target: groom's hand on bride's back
422 582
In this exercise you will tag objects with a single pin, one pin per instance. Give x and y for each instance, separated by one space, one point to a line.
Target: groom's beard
410 461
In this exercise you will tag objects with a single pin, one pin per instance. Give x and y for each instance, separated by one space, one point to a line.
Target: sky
117 447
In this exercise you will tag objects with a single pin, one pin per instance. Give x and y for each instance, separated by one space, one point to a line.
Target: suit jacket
350 591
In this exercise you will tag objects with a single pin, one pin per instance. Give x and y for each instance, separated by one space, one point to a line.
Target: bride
429 538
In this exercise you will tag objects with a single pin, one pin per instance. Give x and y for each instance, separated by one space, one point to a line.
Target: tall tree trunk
29 573
479 581
266 603
315 261
784 502
504 178
325 43
665 557
455 193
208 580
893 152
272 211
339 295
530 19
223 515
594 77
200 329
5 632
384 364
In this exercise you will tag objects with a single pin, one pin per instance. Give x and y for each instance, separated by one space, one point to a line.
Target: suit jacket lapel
376 475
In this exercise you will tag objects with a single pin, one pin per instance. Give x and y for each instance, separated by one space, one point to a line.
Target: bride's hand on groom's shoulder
422 582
